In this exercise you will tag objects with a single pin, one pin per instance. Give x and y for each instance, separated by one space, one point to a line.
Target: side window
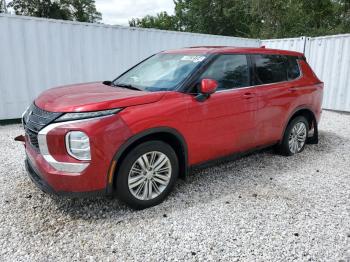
293 70
230 71
270 68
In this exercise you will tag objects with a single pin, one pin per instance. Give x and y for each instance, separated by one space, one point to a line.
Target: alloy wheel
149 175
297 137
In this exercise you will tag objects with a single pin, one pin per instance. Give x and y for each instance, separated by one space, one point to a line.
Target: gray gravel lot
263 207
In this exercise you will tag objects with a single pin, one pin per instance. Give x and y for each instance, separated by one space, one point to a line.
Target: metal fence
295 44
329 56
36 54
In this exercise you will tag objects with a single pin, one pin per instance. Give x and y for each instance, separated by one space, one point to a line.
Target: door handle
293 89
248 95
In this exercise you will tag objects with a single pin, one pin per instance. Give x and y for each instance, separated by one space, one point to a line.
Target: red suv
136 135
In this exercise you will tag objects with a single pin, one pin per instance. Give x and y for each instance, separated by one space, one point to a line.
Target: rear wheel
295 136
147 174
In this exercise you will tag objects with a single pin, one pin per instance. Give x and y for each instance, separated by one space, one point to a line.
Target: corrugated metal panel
330 59
37 54
329 56
294 44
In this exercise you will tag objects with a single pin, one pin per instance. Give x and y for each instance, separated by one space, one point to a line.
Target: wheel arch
166 134
308 113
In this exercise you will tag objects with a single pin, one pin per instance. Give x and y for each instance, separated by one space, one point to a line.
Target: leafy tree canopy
254 18
160 21
77 10
3 6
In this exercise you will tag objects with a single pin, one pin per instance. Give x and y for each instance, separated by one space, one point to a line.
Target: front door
225 122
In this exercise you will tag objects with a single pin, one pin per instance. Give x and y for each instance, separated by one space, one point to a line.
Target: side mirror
207 87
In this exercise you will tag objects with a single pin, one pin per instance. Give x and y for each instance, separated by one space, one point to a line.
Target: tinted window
293 70
276 68
230 71
271 68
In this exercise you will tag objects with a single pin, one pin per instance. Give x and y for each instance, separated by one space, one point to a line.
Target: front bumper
40 182
106 135
36 178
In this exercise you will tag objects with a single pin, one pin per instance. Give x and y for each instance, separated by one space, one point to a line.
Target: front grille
36 119
33 138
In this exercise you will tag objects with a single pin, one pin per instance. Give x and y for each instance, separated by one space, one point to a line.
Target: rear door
275 78
225 122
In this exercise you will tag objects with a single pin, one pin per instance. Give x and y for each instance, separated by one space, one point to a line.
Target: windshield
161 72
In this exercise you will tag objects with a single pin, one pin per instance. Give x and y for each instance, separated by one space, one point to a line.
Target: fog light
78 145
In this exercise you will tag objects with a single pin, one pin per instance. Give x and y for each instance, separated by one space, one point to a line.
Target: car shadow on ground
241 176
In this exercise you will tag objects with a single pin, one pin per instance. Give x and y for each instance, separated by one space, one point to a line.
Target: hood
93 97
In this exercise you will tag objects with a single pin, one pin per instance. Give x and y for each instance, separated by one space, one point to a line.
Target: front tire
295 136
147 174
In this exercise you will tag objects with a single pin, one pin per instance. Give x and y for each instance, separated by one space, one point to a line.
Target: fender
135 138
314 138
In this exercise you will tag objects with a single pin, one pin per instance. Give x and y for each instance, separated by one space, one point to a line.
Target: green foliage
254 18
3 6
40 8
342 11
77 10
220 17
160 21
84 10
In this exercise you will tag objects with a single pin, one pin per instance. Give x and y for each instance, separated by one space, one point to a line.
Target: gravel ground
263 207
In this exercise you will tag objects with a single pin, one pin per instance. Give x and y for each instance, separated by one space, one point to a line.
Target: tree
255 18
343 11
202 16
220 17
84 10
41 8
3 7
278 18
160 21
298 17
77 10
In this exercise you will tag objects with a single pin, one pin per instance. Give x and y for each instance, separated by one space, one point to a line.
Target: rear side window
293 70
270 68
230 71
275 68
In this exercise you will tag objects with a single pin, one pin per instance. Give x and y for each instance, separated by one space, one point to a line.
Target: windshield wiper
107 83
127 86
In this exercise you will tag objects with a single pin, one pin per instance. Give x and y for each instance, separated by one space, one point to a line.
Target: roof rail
209 46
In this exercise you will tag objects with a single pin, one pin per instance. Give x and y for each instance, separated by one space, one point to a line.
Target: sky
119 12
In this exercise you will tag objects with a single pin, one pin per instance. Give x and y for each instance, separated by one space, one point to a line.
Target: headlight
78 145
85 115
